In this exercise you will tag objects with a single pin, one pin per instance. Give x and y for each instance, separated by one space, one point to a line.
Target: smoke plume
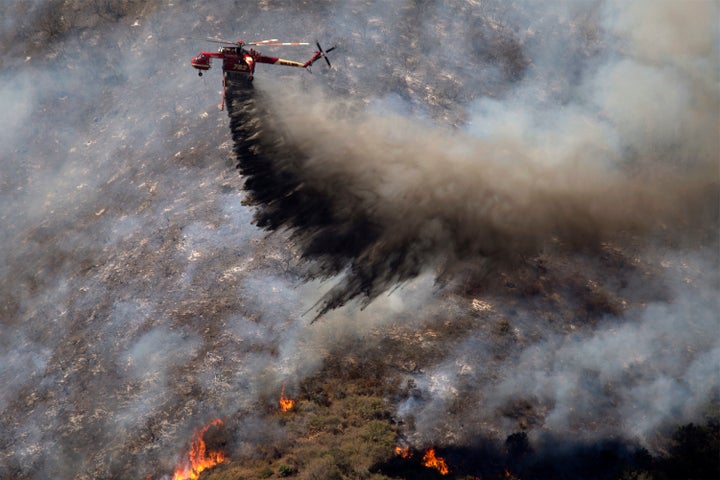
629 150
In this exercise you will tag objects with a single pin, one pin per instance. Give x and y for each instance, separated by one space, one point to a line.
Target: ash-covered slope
555 166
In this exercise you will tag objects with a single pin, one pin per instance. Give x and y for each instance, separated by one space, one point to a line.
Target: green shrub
326 423
286 470
322 468
377 431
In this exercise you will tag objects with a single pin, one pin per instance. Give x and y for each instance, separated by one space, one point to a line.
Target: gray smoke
653 367
629 148
612 141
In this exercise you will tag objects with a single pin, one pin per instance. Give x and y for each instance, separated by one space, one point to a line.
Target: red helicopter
237 59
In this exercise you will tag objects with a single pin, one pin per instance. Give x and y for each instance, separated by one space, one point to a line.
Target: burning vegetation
431 460
199 458
120 308
286 404
403 452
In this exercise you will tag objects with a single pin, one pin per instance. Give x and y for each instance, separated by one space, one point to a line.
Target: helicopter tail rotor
320 53
323 54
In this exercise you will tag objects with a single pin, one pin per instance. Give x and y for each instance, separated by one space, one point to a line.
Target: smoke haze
630 148
511 206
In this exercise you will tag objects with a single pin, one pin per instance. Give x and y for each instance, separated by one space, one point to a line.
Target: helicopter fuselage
237 59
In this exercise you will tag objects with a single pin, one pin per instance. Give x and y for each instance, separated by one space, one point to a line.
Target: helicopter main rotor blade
273 42
263 42
281 44
227 42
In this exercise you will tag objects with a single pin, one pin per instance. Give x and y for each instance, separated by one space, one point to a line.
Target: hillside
486 240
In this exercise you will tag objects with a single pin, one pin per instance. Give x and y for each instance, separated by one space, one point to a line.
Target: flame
404 452
431 461
199 458
286 404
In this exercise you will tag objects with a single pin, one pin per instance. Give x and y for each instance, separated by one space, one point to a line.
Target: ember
431 461
199 458
286 404
404 452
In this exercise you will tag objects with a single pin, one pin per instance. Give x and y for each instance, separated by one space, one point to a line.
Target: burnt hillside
486 241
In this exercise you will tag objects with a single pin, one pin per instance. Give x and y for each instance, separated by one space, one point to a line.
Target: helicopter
237 59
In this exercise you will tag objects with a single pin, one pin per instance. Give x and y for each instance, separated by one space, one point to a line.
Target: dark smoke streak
268 161
137 302
380 199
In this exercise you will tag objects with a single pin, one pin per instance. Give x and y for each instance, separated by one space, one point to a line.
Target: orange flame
286 404
199 458
431 461
404 452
